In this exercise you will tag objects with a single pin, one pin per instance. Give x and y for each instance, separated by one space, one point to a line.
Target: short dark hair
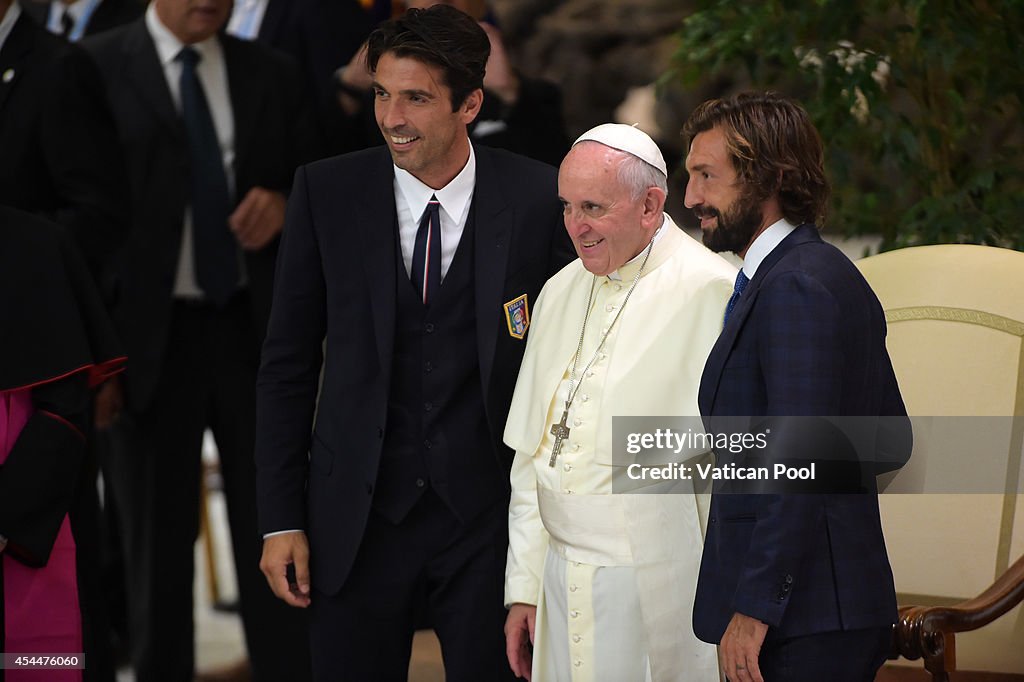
774 147
442 36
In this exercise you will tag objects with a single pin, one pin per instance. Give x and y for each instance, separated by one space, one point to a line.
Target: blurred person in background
57 344
211 130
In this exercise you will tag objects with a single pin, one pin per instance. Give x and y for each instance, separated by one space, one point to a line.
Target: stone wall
606 55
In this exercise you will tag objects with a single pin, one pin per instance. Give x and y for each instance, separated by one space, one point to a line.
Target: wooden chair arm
928 631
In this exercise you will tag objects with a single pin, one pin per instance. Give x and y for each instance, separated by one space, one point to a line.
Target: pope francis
602 585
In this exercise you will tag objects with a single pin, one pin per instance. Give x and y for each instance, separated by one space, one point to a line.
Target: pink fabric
41 612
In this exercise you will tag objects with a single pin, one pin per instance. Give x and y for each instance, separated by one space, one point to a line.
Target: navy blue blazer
335 285
807 338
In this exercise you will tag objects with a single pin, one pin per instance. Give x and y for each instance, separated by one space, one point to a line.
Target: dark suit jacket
109 14
56 140
806 338
272 137
336 278
322 35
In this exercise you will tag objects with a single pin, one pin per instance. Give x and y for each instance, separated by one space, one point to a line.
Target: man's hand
278 552
356 77
109 402
740 647
519 626
258 218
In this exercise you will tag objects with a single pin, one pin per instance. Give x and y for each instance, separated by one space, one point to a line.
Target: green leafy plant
919 103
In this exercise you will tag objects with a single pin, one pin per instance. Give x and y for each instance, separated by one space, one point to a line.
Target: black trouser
364 632
208 380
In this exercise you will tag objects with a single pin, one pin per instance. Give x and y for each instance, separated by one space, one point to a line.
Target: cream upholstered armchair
955 316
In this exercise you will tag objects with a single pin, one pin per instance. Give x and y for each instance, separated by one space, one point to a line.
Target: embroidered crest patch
517 314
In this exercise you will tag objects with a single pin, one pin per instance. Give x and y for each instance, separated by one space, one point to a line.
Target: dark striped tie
426 254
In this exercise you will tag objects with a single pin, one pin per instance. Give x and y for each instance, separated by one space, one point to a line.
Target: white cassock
613 576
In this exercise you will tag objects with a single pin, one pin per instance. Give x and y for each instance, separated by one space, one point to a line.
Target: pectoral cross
560 431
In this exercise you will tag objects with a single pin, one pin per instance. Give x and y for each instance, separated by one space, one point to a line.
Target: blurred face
730 216
193 21
607 226
414 112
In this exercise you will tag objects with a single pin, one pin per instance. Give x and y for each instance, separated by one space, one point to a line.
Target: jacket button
429 327
789 580
420 483
428 444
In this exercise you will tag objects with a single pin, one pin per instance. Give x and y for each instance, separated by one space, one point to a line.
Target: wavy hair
774 148
442 36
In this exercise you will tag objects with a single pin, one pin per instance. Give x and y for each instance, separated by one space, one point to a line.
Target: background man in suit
794 587
212 129
57 134
76 19
411 264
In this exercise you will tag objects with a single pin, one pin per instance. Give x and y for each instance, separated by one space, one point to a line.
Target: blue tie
215 249
426 254
741 283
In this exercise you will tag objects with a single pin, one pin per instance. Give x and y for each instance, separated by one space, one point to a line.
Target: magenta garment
41 611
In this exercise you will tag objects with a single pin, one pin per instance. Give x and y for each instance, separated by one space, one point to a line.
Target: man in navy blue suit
792 586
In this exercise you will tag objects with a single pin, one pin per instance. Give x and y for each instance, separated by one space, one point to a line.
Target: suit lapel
274 19
15 56
495 218
246 96
727 339
373 219
38 11
147 75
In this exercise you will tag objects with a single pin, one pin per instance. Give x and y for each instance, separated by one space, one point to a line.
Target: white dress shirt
765 244
411 197
213 75
80 12
247 18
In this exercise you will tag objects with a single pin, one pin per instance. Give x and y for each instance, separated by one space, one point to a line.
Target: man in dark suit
794 587
412 265
76 19
319 34
212 129
56 134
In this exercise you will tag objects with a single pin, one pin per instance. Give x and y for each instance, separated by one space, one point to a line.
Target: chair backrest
955 316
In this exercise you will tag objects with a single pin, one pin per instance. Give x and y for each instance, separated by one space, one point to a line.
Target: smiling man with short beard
793 587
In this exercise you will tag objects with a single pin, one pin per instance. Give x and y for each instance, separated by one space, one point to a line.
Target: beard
735 228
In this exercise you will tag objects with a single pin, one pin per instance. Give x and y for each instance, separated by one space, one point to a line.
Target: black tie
66 24
741 283
426 254
215 250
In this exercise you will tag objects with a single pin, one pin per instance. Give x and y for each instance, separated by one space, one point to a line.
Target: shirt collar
7 22
453 197
765 244
76 10
167 44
